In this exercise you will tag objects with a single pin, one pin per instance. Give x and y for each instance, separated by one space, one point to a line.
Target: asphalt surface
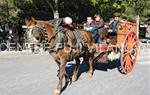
35 74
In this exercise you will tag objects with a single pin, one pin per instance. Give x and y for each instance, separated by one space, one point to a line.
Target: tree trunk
56 13
138 24
7 9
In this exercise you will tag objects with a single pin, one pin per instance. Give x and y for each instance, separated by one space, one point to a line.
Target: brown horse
63 55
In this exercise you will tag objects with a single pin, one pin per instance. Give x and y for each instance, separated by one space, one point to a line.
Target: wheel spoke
126 58
127 65
130 44
132 40
125 52
129 52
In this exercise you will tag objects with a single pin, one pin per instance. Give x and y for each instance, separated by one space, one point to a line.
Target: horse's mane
45 22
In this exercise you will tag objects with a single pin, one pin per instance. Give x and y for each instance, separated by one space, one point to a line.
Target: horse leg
58 63
90 71
75 72
89 61
61 76
67 79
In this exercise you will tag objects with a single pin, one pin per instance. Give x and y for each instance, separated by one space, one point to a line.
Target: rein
42 30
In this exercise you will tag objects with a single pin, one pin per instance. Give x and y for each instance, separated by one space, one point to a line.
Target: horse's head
37 28
31 22
42 27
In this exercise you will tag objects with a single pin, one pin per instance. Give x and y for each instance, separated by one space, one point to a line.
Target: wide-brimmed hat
117 14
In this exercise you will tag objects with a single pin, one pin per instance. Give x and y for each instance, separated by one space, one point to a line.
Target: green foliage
94 2
137 7
77 9
108 7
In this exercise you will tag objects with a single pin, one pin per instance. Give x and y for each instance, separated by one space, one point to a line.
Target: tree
4 10
108 7
56 13
77 9
137 7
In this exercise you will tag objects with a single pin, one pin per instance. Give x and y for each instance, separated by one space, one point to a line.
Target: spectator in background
148 31
5 28
1 34
1 30
20 31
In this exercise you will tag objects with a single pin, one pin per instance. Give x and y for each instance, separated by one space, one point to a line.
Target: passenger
99 25
91 27
114 23
95 27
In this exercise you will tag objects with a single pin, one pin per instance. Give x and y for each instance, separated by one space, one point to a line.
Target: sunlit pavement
24 73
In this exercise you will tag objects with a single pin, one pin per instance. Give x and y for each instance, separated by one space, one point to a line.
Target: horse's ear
35 22
26 21
33 19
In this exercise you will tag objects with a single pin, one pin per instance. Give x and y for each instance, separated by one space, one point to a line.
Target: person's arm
89 29
111 25
101 25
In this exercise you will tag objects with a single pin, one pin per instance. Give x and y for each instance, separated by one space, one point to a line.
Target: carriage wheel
129 52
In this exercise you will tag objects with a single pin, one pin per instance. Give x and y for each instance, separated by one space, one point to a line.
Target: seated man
113 28
62 29
114 23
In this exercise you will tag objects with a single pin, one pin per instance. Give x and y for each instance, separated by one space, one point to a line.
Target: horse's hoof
74 78
90 75
57 92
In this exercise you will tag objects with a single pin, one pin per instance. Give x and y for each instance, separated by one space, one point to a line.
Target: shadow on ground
100 66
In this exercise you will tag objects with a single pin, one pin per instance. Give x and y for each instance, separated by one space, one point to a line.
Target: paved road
30 74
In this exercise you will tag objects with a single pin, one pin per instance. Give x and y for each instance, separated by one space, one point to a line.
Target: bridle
43 30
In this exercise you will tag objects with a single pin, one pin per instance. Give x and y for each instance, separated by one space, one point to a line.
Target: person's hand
110 30
89 28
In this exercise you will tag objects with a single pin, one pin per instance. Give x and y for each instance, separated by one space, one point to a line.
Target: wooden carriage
127 45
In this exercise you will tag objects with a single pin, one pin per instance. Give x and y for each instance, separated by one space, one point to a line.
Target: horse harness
80 45
70 33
